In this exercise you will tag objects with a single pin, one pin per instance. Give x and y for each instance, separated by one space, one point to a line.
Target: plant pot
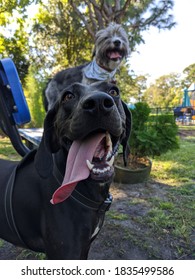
125 175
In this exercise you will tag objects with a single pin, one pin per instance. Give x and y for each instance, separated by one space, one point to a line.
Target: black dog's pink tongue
76 167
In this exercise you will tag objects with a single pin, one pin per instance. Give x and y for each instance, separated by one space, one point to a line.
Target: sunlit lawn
176 167
6 149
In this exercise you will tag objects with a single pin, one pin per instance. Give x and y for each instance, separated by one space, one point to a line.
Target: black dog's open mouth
115 54
101 165
92 157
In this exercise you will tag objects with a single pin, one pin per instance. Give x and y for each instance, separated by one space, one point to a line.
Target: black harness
99 207
9 207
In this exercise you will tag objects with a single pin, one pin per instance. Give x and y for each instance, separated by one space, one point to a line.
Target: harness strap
8 206
101 207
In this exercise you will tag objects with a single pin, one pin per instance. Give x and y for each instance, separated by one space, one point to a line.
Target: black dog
81 135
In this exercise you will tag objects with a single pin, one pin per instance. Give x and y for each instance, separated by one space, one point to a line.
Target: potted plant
151 136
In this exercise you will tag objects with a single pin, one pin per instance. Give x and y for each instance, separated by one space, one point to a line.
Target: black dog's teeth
113 153
115 150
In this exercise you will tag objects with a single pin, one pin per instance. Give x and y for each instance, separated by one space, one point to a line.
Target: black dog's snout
98 102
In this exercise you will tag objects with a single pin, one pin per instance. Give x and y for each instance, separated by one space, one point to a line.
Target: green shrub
33 92
152 136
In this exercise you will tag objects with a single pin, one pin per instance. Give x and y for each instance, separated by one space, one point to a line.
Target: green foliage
59 39
98 14
14 44
14 33
189 75
130 85
62 35
63 31
9 7
165 92
152 137
33 92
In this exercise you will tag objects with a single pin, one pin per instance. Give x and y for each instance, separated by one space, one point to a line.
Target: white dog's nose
117 43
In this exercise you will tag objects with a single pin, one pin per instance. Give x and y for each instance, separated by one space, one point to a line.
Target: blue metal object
186 99
13 107
10 79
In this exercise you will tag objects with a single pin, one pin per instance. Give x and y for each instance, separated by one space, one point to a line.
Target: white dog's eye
114 92
68 96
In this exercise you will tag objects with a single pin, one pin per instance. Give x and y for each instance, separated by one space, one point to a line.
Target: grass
176 167
176 215
186 127
117 216
169 215
6 150
30 255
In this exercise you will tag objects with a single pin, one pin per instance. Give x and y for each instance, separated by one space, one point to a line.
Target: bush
33 92
152 136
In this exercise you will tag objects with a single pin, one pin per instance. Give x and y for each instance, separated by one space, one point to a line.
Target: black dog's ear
93 52
124 143
49 144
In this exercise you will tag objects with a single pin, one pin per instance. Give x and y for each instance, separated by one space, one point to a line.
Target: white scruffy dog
111 47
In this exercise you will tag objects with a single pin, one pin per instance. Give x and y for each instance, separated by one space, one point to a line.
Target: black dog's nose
98 102
117 43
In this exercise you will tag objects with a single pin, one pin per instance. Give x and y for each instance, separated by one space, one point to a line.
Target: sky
168 51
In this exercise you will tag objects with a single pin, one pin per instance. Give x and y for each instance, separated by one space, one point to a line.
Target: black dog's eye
113 92
68 96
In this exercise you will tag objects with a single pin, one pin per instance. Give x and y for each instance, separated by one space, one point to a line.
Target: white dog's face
111 47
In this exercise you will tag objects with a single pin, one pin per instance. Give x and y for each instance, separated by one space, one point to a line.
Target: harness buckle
105 206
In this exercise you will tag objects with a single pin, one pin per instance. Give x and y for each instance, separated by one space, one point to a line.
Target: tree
13 35
16 47
8 7
33 92
64 30
130 85
135 15
165 92
189 75
59 39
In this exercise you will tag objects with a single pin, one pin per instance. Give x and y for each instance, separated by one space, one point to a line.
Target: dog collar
95 72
